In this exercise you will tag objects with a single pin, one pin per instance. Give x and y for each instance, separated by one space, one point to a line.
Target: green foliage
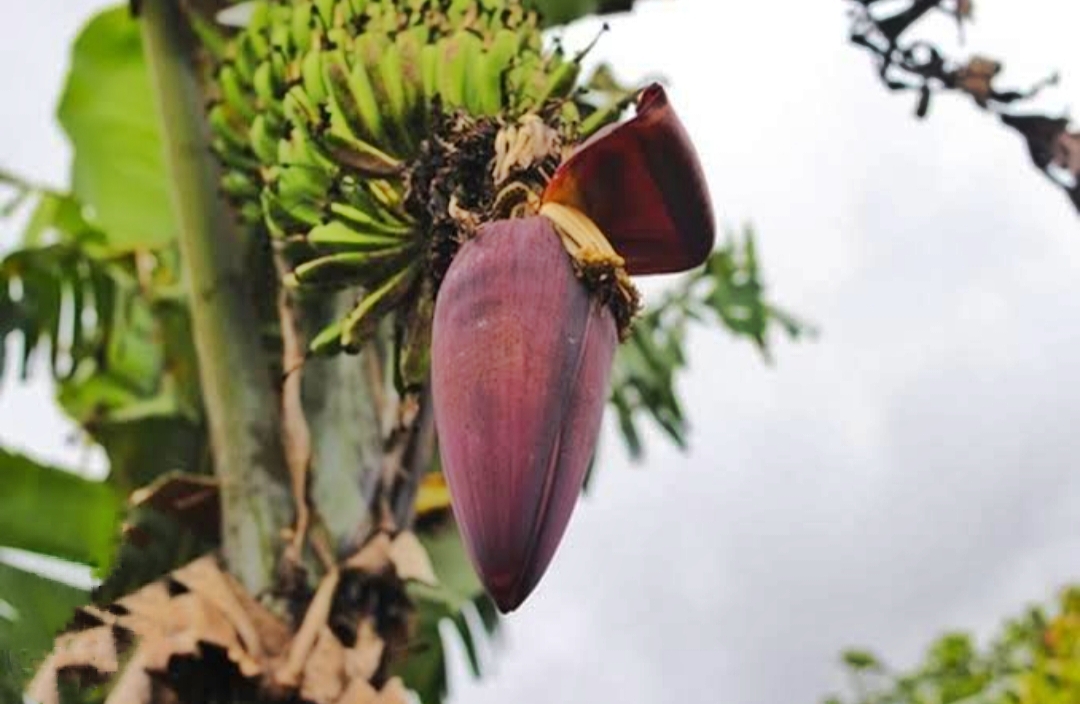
34 609
425 669
108 113
727 291
1033 659
83 515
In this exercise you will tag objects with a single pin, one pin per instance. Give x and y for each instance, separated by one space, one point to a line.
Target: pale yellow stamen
581 236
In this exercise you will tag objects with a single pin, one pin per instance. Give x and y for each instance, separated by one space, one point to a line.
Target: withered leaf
194 500
205 578
273 633
324 671
362 660
359 692
134 686
976 77
410 559
393 692
94 648
318 612
373 557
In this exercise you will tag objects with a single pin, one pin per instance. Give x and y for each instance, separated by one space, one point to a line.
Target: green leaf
41 607
53 512
861 660
424 670
108 113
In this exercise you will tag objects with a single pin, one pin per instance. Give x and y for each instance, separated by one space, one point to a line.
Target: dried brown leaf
976 78
193 499
359 692
363 659
205 578
393 692
145 607
94 648
411 560
273 633
134 686
324 671
373 557
314 621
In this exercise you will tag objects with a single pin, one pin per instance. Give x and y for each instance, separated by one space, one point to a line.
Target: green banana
311 73
302 188
363 220
226 129
233 93
263 141
239 185
560 82
397 93
338 236
495 63
349 268
605 115
360 324
325 11
430 56
359 156
341 104
414 338
301 26
266 85
460 54
367 105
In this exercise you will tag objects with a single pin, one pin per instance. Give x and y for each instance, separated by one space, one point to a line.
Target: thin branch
924 68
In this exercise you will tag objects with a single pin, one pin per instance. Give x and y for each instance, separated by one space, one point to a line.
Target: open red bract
642 184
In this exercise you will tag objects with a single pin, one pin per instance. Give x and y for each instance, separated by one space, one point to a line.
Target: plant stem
241 404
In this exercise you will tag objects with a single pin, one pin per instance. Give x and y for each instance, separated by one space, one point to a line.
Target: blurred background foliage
1033 659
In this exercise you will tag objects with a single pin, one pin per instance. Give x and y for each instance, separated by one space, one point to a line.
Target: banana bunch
321 111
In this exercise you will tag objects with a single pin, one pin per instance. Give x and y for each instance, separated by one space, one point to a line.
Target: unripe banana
360 324
460 59
389 84
350 268
301 25
337 236
239 185
267 86
311 73
302 189
365 221
233 93
495 64
222 123
367 105
325 11
560 82
263 141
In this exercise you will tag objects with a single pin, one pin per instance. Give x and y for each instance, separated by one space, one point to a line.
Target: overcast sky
911 470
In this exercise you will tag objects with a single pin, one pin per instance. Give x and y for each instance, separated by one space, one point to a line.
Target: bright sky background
910 471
